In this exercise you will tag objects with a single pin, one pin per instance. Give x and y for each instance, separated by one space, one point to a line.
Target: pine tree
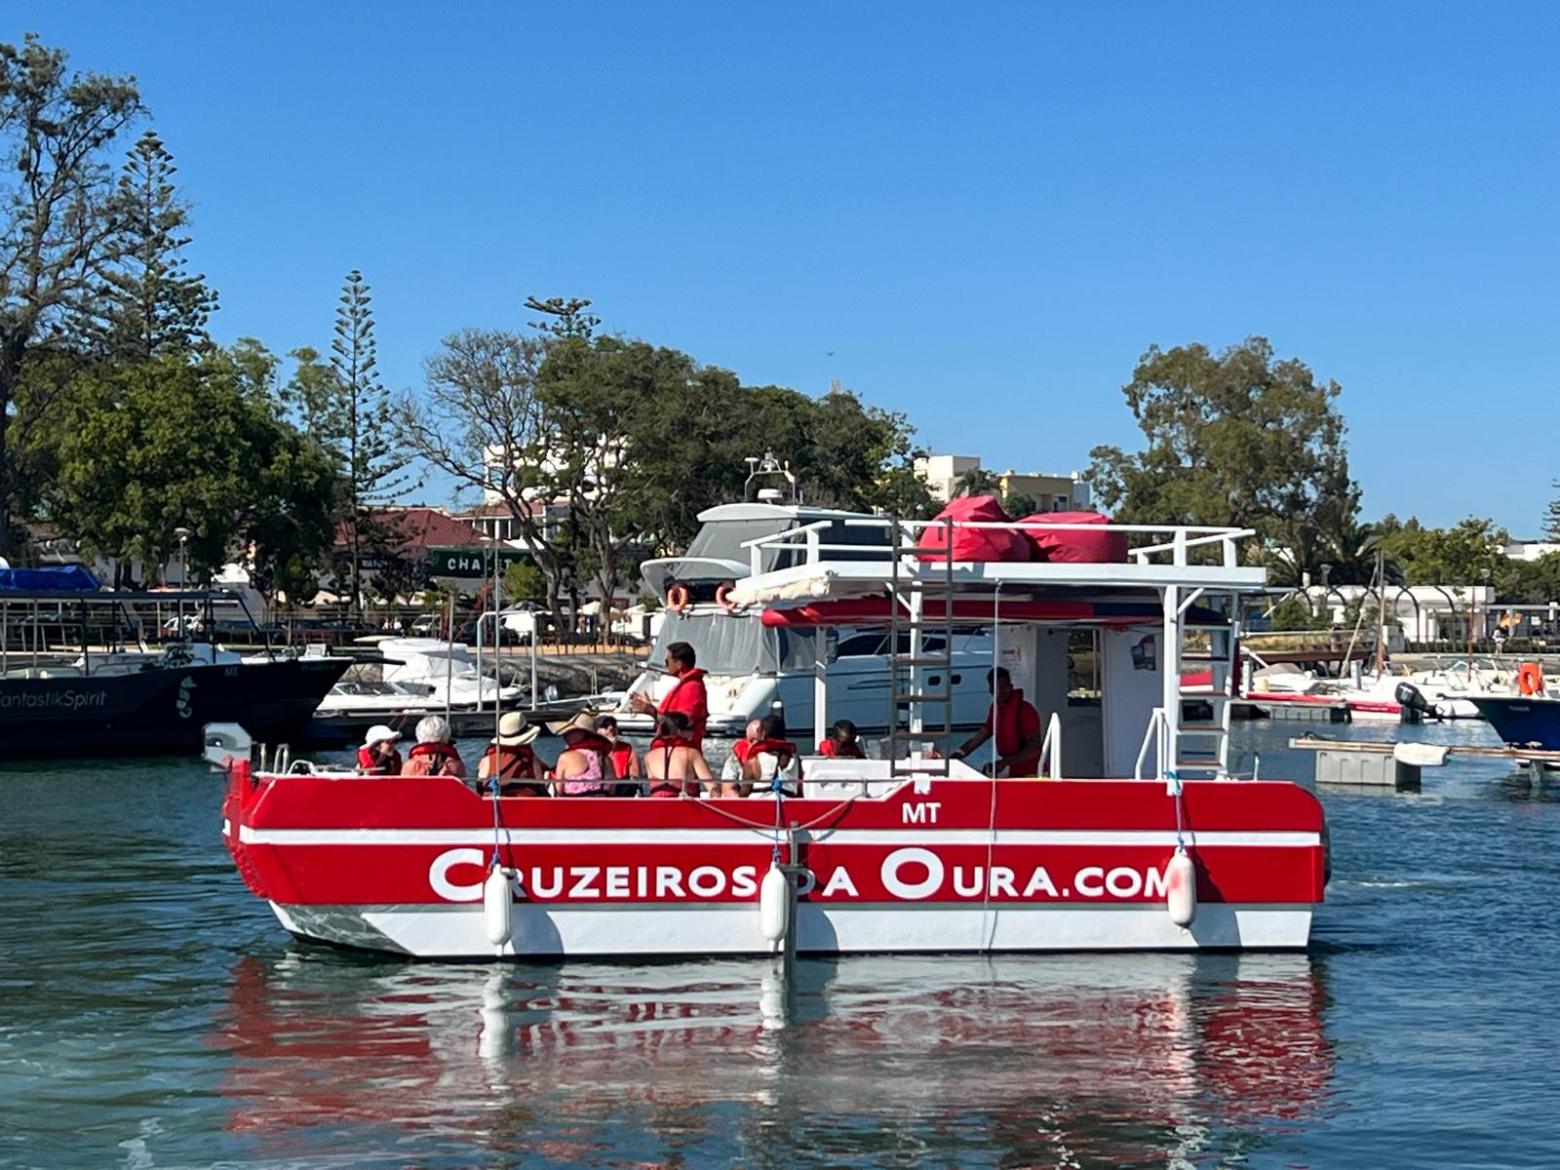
361 424
151 304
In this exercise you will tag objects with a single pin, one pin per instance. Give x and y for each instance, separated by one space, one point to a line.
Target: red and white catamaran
1137 837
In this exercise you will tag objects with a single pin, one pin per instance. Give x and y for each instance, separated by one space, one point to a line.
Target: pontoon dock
1401 765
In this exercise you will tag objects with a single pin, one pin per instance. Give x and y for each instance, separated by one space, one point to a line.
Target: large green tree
190 449
57 230
1237 438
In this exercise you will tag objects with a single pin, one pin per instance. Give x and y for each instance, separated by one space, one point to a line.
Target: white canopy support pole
1170 655
820 683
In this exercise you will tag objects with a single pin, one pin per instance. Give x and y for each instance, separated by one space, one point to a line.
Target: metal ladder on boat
918 678
1199 748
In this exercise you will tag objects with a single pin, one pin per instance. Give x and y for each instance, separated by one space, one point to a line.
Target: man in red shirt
1018 730
687 695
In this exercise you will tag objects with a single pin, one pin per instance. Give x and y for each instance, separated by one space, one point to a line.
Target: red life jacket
1010 731
742 749
443 750
622 758
835 750
515 768
374 766
663 786
692 703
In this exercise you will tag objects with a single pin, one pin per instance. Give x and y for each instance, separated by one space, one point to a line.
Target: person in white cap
377 756
511 758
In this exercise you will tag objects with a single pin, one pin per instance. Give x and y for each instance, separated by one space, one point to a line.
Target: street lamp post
184 535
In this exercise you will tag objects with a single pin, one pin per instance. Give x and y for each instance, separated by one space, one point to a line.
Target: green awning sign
471 562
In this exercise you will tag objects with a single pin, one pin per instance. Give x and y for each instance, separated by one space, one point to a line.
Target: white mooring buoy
495 904
774 904
1181 888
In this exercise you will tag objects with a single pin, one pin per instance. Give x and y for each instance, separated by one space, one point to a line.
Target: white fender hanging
495 905
1181 888
774 904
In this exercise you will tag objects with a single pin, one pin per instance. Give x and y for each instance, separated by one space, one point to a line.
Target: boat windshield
722 540
735 645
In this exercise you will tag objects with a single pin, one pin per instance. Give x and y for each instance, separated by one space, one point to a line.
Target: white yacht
420 674
751 666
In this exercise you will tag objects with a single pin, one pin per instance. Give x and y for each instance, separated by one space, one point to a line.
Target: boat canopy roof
52 579
1185 557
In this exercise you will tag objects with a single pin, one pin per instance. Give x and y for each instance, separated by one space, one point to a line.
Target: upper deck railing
1175 541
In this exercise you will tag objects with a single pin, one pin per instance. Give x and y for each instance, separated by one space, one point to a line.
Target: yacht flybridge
1136 836
754 667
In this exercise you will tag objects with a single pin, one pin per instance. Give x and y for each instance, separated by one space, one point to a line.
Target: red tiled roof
420 529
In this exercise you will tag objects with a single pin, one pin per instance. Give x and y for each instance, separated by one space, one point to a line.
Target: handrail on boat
1051 747
1158 726
1183 537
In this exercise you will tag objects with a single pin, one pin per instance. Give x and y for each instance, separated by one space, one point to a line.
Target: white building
1425 613
1050 492
1528 550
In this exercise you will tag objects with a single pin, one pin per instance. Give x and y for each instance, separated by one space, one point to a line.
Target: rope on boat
760 826
497 824
1180 838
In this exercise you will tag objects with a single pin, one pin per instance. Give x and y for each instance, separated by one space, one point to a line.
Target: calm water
153 1014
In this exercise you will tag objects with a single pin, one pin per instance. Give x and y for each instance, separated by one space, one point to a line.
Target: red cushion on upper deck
1080 548
975 544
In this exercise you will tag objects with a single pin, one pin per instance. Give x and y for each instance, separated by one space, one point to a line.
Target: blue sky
979 215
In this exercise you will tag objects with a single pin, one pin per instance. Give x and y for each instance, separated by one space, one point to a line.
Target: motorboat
1446 690
412 675
754 669
117 695
1137 836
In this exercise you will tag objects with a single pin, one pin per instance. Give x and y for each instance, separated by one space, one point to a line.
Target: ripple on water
155 1016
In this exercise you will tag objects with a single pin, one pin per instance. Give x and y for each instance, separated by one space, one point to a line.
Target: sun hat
514 731
379 732
585 721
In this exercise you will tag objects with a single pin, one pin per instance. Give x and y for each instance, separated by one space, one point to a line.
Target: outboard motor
1415 707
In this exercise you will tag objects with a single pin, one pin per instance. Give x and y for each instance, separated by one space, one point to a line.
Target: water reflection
1007 1061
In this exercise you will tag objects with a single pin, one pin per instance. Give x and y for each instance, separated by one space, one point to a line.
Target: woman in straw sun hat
511 759
585 767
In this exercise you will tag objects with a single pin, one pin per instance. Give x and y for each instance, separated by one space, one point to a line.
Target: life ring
723 596
1530 679
677 598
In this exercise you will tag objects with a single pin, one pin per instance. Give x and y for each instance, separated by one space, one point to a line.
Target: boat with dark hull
78 676
161 708
1522 721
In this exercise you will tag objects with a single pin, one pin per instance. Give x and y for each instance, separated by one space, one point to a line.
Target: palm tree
977 481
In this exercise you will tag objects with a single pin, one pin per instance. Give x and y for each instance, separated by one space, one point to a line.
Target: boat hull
159 711
946 865
541 932
1522 721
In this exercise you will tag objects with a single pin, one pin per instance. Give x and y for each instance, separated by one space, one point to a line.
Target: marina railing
1176 550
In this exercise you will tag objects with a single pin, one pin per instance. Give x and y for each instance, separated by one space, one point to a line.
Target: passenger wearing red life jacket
585 767
377 756
731 770
841 743
687 694
434 755
770 759
511 759
625 761
675 767
1020 736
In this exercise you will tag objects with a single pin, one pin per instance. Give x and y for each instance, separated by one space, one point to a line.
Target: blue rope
1180 840
493 864
774 786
